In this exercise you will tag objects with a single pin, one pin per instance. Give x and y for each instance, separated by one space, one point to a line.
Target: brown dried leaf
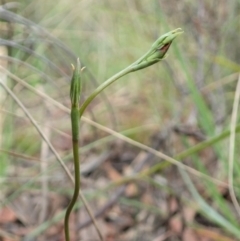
7 215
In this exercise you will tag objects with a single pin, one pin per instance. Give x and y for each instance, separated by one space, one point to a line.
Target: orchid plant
155 54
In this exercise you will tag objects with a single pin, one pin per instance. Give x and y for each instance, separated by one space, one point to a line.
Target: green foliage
193 86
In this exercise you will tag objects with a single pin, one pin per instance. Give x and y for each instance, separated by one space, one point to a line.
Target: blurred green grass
107 36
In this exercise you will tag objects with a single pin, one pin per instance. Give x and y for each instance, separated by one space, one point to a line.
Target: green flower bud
76 85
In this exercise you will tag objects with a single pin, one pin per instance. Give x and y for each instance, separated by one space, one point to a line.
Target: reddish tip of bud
165 47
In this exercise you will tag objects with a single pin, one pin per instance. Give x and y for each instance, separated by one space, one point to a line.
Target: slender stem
109 81
75 137
102 87
152 56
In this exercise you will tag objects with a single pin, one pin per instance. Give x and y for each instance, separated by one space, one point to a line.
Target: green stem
152 56
109 81
105 84
75 140
102 87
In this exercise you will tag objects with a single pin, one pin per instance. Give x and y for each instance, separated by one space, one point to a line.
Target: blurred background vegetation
171 106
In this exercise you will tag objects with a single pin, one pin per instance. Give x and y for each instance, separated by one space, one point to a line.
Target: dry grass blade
118 135
232 147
